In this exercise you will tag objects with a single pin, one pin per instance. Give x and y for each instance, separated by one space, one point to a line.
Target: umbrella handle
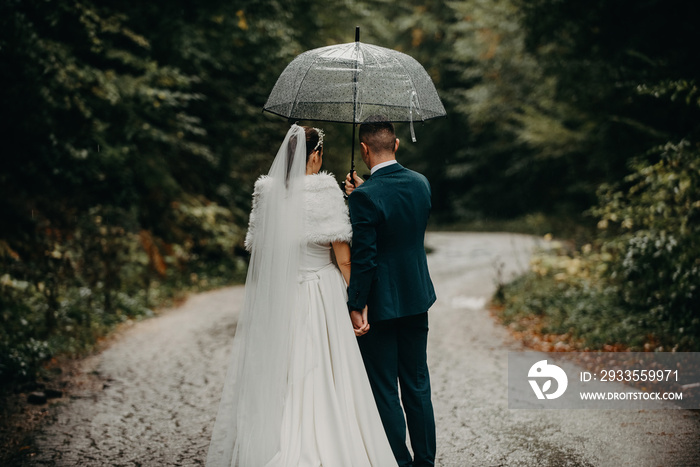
352 157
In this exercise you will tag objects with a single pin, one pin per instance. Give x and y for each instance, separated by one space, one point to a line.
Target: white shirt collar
382 165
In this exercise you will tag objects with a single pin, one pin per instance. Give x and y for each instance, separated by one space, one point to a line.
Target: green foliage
611 62
569 299
105 211
653 225
22 316
627 66
133 134
509 146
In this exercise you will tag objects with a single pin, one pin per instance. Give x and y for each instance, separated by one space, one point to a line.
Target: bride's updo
314 140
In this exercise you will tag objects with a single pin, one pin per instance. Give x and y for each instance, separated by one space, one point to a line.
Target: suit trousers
395 355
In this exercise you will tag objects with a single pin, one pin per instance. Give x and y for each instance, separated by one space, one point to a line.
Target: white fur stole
326 217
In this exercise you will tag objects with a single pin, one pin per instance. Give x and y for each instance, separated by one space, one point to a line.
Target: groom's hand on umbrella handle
352 183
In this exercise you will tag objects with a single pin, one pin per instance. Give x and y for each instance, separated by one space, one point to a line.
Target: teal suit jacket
389 215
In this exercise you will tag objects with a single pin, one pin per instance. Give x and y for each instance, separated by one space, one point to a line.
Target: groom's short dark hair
378 133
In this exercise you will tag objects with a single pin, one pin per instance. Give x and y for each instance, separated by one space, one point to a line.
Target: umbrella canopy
353 81
349 83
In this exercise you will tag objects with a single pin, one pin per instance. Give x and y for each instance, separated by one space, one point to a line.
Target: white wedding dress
328 417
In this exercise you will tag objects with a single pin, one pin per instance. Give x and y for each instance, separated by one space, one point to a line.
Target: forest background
132 134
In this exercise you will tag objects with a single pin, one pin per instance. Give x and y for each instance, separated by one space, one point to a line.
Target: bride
296 392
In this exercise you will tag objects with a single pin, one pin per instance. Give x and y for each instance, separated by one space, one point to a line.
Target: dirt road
160 382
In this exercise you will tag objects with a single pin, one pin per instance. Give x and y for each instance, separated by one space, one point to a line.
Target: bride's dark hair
312 138
291 149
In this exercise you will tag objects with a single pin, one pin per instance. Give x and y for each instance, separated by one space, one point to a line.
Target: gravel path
160 380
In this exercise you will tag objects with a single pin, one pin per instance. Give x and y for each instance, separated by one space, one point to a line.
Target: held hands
349 186
359 322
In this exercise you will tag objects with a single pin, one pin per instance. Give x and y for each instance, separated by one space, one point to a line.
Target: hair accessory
321 134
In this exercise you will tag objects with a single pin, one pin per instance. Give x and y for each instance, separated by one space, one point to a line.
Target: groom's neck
381 159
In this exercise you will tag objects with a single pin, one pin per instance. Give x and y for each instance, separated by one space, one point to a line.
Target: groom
390 288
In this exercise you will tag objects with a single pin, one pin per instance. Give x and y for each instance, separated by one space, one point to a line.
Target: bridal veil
247 428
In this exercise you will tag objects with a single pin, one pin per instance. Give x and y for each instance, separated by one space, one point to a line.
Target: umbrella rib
301 82
410 78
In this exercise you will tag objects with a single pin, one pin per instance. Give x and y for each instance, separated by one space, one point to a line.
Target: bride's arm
341 250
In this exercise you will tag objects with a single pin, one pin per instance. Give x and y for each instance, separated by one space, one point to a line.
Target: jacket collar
387 170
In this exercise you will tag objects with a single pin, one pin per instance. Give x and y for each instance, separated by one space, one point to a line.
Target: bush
114 201
638 285
106 271
652 232
567 296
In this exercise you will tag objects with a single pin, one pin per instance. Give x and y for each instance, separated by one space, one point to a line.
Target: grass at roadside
566 302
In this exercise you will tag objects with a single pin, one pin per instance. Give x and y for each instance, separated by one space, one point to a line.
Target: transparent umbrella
353 83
